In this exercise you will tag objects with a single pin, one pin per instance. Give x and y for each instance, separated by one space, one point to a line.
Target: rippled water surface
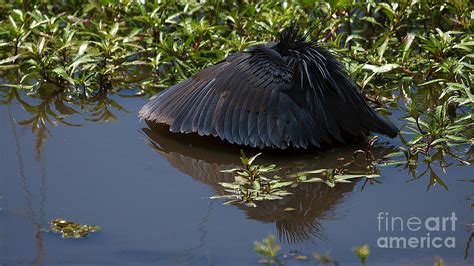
149 192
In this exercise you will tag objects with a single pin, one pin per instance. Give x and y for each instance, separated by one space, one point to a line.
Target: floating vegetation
295 255
69 229
362 253
343 173
324 259
268 248
439 261
250 185
330 177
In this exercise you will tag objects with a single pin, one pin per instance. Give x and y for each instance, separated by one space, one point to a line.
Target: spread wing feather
242 99
269 98
334 99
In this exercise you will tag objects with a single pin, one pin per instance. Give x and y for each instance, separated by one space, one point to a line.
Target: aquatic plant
268 248
362 252
343 173
250 185
325 259
439 261
69 229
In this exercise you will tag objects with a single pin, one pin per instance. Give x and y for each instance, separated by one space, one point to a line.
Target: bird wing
242 99
332 98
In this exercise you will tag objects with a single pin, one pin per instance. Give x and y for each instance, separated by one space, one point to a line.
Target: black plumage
290 93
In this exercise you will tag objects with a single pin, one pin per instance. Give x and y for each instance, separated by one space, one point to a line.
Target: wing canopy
243 99
268 97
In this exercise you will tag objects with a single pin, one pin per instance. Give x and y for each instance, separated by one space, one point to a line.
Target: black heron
289 93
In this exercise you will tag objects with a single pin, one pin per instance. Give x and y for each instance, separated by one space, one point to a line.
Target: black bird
289 93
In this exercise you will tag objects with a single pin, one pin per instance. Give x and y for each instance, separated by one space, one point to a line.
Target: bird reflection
297 217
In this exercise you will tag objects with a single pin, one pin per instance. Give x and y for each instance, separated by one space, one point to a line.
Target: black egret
288 93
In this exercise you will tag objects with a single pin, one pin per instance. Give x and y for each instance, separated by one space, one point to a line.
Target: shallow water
149 192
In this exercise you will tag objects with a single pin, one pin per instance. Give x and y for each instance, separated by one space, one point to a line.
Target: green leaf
229 185
251 159
371 20
230 170
132 34
317 171
232 202
62 73
41 45
437 141
347 177
256 185
313 180
431 82
225 197
381 69
381 51
330 184
282 184
415 140
114 29
9 59
266 168
394 154
241 180
456 138
13 23
392 163
82 49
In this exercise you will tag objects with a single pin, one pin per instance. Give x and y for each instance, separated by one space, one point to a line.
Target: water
150 194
